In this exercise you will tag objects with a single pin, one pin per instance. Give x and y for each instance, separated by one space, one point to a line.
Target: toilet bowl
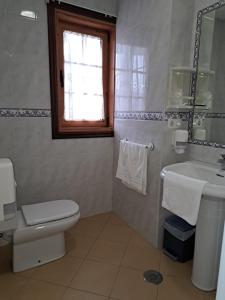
39 236
38 229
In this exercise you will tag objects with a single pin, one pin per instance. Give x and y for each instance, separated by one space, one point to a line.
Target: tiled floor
105 260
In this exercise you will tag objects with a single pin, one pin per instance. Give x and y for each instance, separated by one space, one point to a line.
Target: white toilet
39 234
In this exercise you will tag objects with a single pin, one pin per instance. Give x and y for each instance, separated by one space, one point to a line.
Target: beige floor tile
27 273
108 252
5 259
175 288
87 227
116 233
209 295
130 285
173 268
77 245
141 257
138 240
95 277
39 290
101 218
98 275
72 294
60 271
116 220
9 285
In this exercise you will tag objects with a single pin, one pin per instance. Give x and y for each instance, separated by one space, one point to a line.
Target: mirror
208 86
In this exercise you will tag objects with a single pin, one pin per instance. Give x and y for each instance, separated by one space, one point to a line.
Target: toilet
39 234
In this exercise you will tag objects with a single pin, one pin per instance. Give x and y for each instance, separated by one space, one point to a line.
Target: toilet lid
49 211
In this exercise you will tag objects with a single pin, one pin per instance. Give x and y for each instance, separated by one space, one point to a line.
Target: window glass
83 77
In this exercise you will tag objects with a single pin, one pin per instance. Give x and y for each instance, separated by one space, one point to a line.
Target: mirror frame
192 113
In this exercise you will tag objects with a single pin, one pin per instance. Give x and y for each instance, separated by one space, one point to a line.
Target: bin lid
178 223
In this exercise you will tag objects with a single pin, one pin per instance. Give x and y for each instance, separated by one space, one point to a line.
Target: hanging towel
182 196
132 166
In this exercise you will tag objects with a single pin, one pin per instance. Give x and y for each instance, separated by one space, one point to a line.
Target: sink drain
153 276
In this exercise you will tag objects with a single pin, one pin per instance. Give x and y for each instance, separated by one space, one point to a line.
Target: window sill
71 133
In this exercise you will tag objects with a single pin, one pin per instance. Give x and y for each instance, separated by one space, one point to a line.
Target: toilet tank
7 190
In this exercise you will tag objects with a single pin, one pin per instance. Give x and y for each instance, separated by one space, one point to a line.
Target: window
82 51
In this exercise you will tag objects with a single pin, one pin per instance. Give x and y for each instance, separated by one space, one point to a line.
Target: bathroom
120 231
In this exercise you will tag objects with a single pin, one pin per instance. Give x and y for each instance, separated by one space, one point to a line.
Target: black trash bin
179 237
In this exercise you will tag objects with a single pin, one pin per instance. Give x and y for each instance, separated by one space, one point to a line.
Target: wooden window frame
68 17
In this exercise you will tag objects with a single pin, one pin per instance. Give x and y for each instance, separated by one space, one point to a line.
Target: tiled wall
204 153
147 46
107 7
45 169
160 46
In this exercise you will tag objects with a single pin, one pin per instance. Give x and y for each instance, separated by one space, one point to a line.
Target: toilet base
38 252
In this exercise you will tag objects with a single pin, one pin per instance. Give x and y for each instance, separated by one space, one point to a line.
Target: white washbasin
210 223
207 172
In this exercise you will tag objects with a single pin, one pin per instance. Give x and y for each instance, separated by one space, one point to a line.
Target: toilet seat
25 233
39 213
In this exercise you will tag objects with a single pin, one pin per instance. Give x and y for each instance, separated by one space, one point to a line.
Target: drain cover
153 276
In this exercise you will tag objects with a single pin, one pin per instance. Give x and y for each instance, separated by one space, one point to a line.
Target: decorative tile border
205 143
151 116
160 116
210 115
24 113
143 116
184 116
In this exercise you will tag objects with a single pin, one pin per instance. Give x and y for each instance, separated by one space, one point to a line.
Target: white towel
182 196
132 165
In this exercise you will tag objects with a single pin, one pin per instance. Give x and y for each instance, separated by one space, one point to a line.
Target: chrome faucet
221 161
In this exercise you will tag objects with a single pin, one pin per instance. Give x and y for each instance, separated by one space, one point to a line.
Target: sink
210 223
207 172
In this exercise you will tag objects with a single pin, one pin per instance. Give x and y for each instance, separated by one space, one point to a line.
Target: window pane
83 88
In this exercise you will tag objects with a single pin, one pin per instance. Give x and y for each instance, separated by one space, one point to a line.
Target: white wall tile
45 169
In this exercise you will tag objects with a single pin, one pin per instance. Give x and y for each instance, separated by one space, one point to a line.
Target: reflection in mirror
209 111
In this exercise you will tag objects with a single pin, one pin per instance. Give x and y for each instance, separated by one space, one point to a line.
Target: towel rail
150 146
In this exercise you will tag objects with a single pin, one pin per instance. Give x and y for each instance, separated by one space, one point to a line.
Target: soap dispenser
179 140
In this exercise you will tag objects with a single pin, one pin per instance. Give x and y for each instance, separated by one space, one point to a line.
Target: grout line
158 286
64 293
119 266
88 292
85 257
106 222
45 281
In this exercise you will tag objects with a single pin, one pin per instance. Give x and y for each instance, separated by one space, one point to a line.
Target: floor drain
153 276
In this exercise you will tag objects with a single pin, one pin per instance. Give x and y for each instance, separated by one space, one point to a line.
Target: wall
146 47
107 7
45 169
204 153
